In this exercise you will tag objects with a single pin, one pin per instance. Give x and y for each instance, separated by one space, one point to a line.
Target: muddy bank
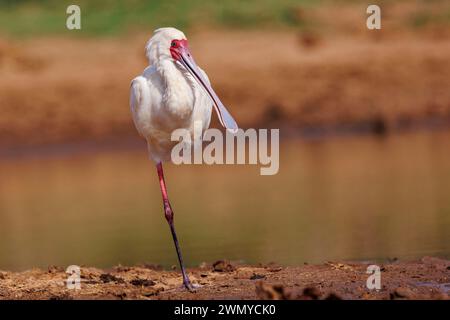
428 278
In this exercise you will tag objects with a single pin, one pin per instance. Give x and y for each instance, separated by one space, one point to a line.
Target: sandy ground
67 88
428 278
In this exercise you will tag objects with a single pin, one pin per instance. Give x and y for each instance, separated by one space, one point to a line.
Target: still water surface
352 198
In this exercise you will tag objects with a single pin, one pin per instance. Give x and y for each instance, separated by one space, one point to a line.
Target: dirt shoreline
56 90
427 278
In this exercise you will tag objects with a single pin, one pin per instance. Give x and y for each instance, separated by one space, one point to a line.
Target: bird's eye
173 44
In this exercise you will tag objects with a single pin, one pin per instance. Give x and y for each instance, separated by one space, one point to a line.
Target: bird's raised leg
169 217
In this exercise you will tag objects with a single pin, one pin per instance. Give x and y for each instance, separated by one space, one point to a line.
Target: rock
311 292
333 296
256 276
271 292
274 269
142 282
63 296
402 293
223 266
107 277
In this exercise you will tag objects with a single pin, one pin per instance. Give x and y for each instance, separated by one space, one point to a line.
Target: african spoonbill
172 93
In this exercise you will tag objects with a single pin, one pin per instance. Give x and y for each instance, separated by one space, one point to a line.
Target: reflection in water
343 198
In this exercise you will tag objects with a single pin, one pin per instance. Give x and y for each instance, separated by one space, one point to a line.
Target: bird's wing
140 101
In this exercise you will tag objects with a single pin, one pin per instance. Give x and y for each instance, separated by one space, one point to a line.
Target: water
351 198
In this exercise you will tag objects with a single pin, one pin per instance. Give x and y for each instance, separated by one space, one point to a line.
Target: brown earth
339 74
428 278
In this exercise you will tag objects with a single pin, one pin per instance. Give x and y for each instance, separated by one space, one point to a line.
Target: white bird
172 93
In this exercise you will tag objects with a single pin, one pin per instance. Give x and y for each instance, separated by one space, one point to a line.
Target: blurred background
363 115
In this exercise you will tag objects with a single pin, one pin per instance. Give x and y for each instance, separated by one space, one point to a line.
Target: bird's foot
191 287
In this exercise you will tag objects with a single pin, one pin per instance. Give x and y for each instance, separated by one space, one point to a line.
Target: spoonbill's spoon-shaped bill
180 52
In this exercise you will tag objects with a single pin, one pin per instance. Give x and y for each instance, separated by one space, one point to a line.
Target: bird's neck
179 96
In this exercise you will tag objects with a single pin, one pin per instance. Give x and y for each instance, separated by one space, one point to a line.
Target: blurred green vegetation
20 18
111 17
425 18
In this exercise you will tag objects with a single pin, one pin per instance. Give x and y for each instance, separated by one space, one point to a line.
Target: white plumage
167 96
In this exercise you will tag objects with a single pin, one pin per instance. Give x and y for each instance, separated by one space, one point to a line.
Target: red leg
169 217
